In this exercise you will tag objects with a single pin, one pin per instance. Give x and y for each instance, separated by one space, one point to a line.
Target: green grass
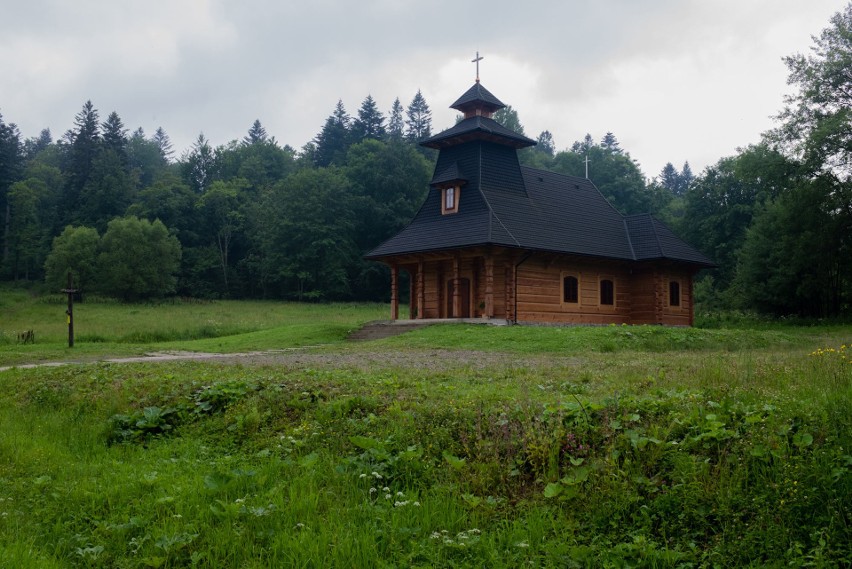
109 328
450 446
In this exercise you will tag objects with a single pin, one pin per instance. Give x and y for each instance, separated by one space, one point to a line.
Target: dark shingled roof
477 96
520 207
449 174
478 128
503 203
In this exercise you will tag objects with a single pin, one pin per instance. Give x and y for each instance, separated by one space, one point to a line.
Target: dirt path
362 359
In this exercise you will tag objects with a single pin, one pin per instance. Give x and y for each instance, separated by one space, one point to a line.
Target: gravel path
363 359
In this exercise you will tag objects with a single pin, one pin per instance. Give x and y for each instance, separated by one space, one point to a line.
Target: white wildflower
362 475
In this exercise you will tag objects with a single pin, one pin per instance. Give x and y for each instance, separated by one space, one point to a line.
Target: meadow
449 446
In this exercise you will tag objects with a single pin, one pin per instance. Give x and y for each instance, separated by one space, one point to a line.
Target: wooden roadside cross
70 290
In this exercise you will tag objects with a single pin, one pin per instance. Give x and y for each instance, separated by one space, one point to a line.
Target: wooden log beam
394 292
421 290
456 291
489 286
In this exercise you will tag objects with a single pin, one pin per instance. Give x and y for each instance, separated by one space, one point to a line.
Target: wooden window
607 292
570 289
450 200
674 293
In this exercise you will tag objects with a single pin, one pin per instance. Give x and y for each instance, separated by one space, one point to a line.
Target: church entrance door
464 293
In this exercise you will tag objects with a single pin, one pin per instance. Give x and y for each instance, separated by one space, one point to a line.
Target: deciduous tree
75 250
138 259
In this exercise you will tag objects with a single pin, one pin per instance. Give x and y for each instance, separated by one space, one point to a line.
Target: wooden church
495 239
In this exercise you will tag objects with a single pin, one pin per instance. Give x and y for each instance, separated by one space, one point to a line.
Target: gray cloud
674 80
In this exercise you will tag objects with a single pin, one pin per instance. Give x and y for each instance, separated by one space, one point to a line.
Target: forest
254 219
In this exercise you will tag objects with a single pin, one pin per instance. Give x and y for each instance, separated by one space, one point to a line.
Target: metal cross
476 61
587 166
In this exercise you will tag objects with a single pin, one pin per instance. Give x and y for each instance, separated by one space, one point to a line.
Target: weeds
647 456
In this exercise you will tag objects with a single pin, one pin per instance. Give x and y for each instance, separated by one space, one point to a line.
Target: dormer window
450 200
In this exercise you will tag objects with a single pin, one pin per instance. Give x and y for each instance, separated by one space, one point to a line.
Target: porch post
456 291
489 286
394 292
421 293
412 294
691 299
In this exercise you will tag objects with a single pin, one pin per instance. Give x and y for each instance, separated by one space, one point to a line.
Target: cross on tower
476 61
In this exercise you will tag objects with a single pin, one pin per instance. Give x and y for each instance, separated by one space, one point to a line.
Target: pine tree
164 143
370 122
396 125
198 165
418 123
145 158
10 165
686 178
333 141
669 178
610 144
84 142
256 134
115 136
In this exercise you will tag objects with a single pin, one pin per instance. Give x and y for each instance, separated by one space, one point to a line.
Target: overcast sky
674 80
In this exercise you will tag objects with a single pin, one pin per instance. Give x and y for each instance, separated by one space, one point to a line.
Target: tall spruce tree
115 136
164 143
418 122
370 122
11 158
256 134
610 144
199 165
396 123
146 161
333 140
84 145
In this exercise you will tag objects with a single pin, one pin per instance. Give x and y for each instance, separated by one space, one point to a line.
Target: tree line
255 219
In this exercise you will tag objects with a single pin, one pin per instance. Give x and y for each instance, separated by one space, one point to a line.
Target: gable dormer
449 182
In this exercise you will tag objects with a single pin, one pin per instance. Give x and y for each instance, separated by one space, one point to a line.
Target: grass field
450 446
106 327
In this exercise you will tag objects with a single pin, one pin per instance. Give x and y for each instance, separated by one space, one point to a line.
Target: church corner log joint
495 239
